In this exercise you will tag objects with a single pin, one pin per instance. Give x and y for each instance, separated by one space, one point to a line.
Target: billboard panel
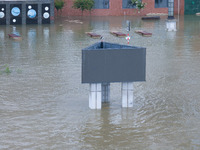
15 14
31 13
2 14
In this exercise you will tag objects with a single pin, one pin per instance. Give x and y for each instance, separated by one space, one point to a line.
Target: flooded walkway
43 104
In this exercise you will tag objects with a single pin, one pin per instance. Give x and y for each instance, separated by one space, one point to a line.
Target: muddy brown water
43 104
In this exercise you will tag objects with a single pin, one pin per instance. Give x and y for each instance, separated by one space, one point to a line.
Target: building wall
115 9
181 4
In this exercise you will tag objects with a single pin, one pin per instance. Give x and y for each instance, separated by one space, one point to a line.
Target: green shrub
83 4
59 4
139 5
7 70
134 2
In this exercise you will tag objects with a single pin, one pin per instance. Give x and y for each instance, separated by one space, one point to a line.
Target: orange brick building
122 7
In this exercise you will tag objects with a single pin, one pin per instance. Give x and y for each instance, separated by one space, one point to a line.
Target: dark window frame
161 3
127 4
104 4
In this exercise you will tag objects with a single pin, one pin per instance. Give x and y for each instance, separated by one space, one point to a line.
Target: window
161 3
127 4
101 4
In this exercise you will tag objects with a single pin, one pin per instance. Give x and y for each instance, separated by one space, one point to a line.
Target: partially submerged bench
151 18
93 35
118 34
14 36
143 33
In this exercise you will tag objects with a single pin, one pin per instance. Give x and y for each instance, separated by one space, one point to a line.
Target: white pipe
178 7
178 11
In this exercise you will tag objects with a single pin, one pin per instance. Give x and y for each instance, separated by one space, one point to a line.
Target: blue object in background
31 13
15 11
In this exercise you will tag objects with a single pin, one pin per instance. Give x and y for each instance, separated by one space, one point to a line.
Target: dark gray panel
15 17
46 14
3 14
117 64
31 18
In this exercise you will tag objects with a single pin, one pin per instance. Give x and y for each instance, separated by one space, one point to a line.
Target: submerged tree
59 4
83 5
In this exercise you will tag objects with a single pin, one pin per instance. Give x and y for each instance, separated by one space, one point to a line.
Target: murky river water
43 104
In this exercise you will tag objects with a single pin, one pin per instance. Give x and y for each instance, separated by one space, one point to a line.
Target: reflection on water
45 106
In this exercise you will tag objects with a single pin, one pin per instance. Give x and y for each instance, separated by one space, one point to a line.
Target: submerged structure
104 63
15 12
171 22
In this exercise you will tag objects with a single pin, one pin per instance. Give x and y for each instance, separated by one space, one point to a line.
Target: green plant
139 5
83 4
134 2
59 4
7 70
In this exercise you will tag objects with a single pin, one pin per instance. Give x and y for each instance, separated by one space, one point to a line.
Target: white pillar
127 94
105 92
171 25
95 96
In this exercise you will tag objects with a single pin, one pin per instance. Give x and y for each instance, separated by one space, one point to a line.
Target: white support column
171 25
95 96
127 94
105 92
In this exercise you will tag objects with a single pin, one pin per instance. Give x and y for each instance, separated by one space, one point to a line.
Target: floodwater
43 104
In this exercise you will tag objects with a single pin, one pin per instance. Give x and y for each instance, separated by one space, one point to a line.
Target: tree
59 4
83 5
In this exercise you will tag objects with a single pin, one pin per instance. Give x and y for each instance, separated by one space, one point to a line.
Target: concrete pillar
127 94
105 92
171 25
52 12
39 13
8 13
95 96
23 11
